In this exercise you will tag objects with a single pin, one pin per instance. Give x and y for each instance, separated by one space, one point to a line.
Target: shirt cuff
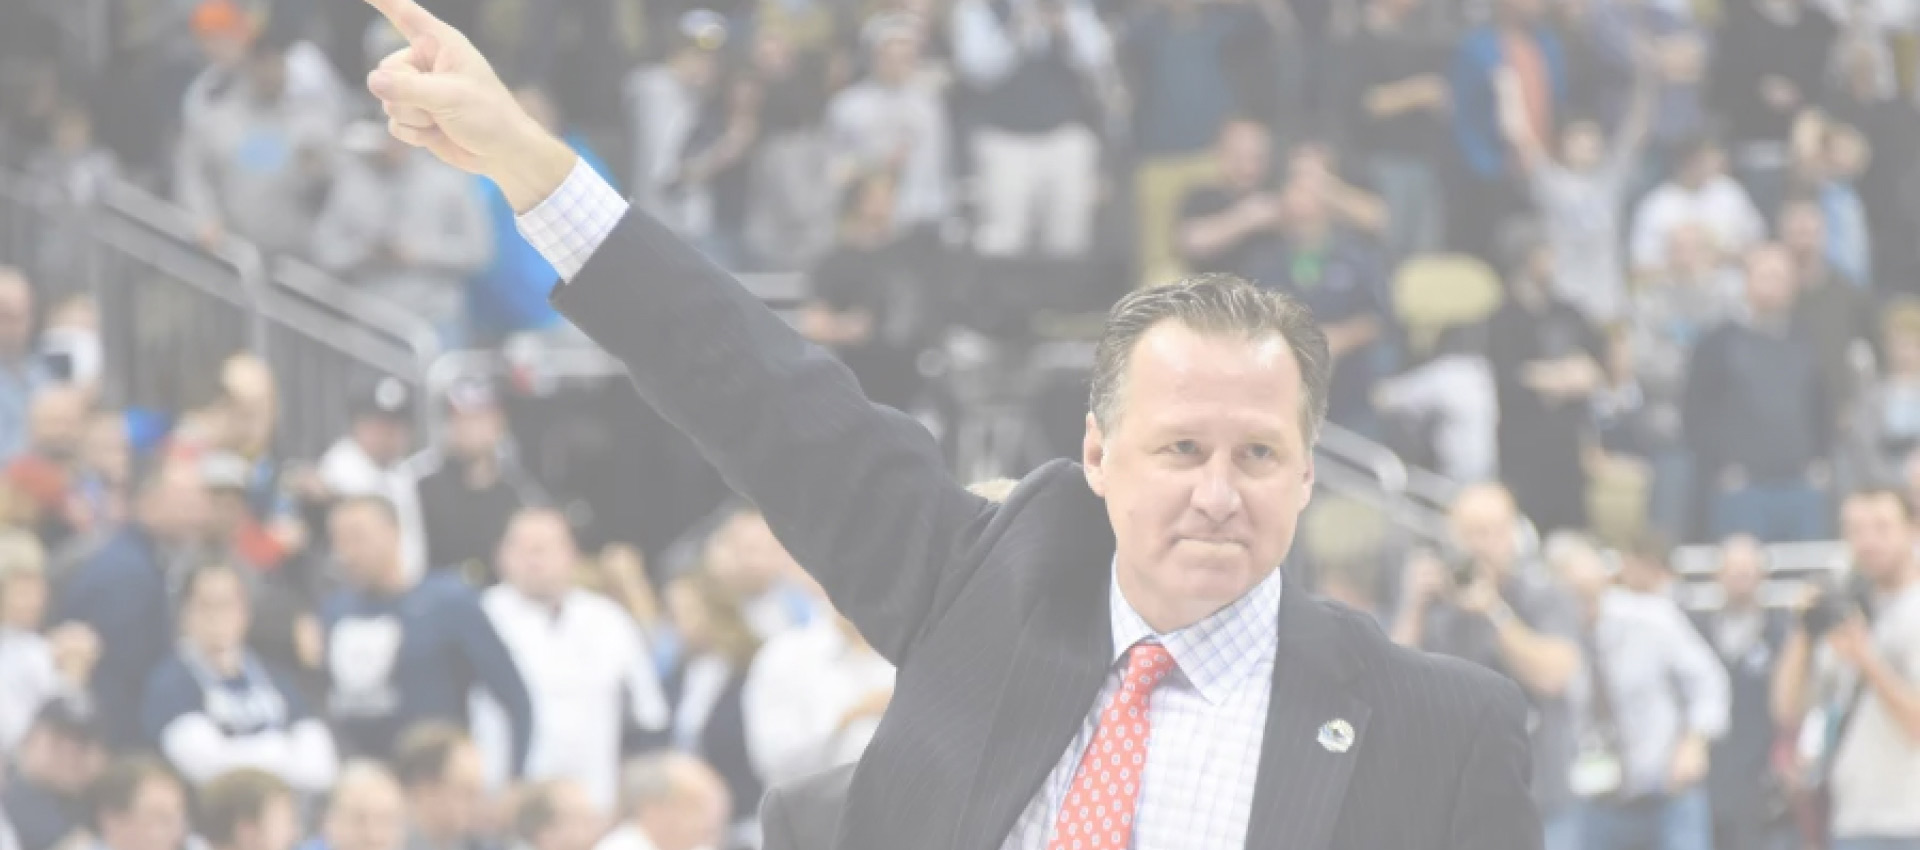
571 223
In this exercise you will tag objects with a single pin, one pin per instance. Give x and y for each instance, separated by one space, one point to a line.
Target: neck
1895 580
482 470
226 662
393 581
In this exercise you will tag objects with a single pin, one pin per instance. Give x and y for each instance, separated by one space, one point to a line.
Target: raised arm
858 493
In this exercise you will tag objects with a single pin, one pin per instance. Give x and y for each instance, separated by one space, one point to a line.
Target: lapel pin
1336 736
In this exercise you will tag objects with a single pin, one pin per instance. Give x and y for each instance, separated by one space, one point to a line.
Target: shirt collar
1216 653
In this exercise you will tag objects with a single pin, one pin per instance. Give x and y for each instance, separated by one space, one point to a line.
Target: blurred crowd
1639 273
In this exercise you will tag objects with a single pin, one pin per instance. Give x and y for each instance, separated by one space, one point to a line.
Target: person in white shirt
371 460
584 661
673 801
813 700
1699 193
895 120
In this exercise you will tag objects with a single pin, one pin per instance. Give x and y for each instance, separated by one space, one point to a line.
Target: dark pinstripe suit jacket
996 616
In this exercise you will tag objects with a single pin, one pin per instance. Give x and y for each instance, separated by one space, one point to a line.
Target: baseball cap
468 395
388 398
703 28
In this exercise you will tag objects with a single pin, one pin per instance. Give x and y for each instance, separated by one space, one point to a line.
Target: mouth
1214 542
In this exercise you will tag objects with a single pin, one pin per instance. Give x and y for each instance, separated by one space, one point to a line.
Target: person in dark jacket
1747 637
125 592
478 487
717 649
402 650
45 798
1757 416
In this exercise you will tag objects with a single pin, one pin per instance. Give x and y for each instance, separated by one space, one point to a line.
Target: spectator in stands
444 777
404 648
705 688
215 705
372 460
138 804
588 672
467 502
793 209
1340 279
1398 101
366 812
1883 429
1770 63
256 163
104 475
1582 192
123 592
1453 398
894 122
1486 195
227 31
1698 194
1191 67
1747 637
43 472
1233 225
813 700
1756 414
67 177
758 572
1649 702
1851 669
21 374
1889 123
871 294
671 801
558 815
665 103
1830 310
34 668
1035 68
248 809
1828 157
405 228
1546 361
45 795
250 395
1494 608
1693 293
237 533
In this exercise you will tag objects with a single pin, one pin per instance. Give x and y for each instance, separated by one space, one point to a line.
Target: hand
76 649
1852 642
211 235
439 93
1689 764
1430 91
1482 597
304 482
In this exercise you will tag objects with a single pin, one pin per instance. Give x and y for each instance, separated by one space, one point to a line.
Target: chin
1213 572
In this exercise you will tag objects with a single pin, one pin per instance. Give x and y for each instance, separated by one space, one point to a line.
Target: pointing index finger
409 18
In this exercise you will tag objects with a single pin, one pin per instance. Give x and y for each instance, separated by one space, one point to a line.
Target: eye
1184 447
1260 452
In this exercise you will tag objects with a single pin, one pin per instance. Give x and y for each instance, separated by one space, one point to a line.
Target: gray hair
1217 305
661 777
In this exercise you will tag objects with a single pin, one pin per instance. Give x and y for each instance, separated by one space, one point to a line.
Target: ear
1306 481
1093 457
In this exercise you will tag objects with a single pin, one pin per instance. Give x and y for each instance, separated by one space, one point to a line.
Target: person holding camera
1496 608
1849 681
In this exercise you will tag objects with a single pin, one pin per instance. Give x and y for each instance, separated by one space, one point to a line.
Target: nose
1216 495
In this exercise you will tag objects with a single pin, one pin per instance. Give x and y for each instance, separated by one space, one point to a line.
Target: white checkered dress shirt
1208 717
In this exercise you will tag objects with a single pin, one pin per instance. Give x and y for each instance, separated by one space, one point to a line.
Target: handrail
308 281
1344 444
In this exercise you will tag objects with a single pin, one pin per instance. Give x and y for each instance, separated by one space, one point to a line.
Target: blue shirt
510 295
396 661
258 700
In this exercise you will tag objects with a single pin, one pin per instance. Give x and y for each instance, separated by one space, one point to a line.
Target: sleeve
1492 807
860 494
983 53
312 761
571 224
169 696
492 662
193 181
1702 679
1087 35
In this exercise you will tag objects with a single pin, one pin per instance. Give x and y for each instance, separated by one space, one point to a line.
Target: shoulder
441 587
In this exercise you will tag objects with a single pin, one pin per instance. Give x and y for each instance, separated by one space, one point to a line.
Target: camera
1463 570
1834 606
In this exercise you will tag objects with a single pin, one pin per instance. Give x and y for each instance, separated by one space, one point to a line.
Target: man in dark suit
804 814
1109 657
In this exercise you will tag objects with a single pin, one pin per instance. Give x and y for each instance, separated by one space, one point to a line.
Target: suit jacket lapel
1058 665
1302 781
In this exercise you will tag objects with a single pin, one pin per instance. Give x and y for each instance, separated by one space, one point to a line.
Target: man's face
1741 569
1703 165
748 558
386 439
216 613
1484 526
1879 535
157 820
277 829
1584 574
1246 155
16 314
1803 228
576 823
692 819
23 601
367 816
473 434
56 421
538 555
178 507
1582 145
895 58
366 542
461 793
106 450
267 72
1771 287
1204 471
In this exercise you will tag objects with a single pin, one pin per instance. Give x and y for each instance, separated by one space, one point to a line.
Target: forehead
1177 376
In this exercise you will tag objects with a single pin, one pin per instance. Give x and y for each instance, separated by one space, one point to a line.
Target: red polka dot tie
1098 811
